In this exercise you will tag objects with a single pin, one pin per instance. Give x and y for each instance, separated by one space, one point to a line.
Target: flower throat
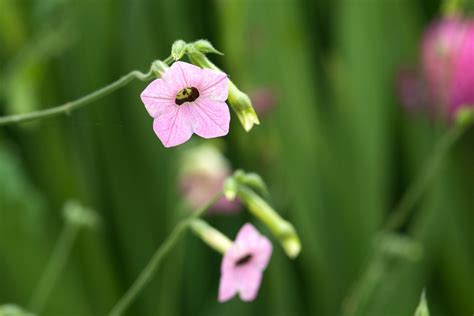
188 94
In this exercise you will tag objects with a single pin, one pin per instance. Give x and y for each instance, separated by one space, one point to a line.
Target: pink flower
243 265
263 100
411 89
448 67
187 100
203 170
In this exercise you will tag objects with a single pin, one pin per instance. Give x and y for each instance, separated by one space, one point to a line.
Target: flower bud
210 236
203 46
242 106
230 188
79 215
447 55
178 49
252 180
238 101
281 229
465 116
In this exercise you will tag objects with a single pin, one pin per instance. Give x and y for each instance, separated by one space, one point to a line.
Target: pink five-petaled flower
243 265
186 100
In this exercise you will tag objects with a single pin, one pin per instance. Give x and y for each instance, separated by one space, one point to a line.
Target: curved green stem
68 107
406 205
54 267
369 279
150 269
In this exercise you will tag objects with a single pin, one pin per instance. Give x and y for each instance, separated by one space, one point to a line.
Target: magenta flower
448 67
243 265
187 100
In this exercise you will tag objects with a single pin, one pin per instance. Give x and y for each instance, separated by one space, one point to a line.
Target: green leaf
422 309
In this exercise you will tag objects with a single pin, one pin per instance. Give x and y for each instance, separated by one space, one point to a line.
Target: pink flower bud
448 64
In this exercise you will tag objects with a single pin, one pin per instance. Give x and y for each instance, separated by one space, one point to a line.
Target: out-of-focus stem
54 267
152 266
370 277
406 205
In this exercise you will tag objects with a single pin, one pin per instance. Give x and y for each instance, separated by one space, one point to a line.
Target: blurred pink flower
448 67
243 265
263 100
411 89
186 100
203 171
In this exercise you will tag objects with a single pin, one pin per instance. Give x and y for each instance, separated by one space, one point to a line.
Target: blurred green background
337 152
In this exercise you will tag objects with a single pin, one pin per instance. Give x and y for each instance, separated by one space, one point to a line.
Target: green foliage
336 152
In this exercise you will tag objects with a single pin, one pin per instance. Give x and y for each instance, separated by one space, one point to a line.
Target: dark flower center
188 94
243 260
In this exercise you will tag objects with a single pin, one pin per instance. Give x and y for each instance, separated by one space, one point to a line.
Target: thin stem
68 107
54 267
401 213
150 269
406 205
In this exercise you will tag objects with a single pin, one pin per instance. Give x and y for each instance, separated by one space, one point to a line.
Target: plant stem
68 107
406 205
400 215
54 267
146 275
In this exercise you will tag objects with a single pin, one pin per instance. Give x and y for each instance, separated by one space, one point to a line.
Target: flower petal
157 96
227 286
209 118
182 75
462 88
214 85
263 253
249 278
172 127
248 236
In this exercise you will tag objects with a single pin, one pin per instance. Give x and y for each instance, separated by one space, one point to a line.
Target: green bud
230 188
202 46
210 236
280 228
242 106
79 215
238 101
13 310
422 309
178 49
465 116
252 180
159 67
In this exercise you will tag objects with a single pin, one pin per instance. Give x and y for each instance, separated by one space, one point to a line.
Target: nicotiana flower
203 171
263 100
243 265
448 67
411 89
186 100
